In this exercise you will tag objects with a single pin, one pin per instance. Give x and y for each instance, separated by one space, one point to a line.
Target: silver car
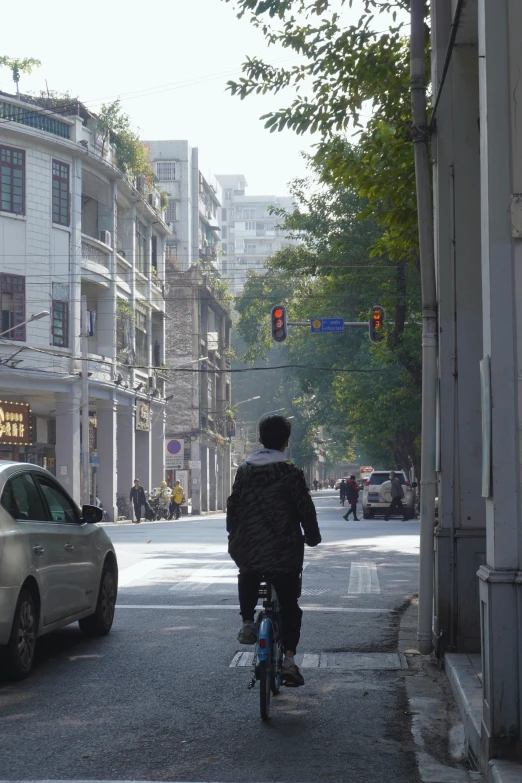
56 565
377 497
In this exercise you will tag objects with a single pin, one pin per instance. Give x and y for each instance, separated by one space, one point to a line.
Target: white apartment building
73 226
249 232
193 203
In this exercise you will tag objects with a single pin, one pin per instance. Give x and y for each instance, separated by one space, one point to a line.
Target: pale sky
177 55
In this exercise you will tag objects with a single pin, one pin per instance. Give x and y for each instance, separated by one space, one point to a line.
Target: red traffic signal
278 319
376 324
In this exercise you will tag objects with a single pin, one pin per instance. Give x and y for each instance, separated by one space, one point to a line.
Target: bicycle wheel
275 671
264 688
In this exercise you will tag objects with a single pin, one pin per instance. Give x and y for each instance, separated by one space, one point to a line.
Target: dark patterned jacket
267 512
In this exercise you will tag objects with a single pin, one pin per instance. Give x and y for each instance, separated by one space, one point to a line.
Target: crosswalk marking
346 661
364 578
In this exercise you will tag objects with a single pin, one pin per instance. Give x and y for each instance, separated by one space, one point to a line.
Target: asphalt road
158 699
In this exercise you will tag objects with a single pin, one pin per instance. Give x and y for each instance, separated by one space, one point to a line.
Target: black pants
287 587
352 509
396 504
137 511
175 509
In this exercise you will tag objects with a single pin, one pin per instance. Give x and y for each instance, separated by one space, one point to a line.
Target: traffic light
376 323
279 323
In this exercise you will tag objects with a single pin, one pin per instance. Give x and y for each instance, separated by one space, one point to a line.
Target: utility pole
420 133
86 466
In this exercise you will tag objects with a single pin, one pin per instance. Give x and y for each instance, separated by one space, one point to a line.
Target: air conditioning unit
105 237
152 381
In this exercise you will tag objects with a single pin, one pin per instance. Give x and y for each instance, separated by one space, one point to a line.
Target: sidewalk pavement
435 723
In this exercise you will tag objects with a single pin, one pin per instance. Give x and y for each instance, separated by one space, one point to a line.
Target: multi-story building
193 203
249 230
73 227
199 325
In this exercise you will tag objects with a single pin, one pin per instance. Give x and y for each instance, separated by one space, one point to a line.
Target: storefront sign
15 424
174 454
143 416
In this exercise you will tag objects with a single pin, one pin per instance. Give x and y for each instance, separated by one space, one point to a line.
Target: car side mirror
92 514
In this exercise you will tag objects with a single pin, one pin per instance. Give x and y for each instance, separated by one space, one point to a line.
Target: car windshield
376 479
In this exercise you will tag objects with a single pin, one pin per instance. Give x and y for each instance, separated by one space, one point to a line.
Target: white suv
377 497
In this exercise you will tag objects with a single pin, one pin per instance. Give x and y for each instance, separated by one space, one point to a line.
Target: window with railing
141 248
170 215
166 170
142 339
12 180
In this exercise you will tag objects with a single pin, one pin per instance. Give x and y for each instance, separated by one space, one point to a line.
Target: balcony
95 260
35 118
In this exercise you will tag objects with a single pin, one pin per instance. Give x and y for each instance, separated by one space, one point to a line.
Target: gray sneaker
290 675
247 635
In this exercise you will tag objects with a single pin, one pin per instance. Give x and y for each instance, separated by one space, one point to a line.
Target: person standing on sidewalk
138 499
177 500
267 513
352 496
397 494
342 492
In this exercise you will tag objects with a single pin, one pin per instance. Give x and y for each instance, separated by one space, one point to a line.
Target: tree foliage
367 396
17 66
115 127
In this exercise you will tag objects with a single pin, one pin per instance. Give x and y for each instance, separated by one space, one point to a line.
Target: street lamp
34 317
250 399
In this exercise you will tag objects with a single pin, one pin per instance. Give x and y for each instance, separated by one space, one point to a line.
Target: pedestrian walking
138 499
342 491
177 500
352 496
397 494
316 484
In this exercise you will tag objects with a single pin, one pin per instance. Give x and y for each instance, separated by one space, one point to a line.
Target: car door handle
68 547
38 550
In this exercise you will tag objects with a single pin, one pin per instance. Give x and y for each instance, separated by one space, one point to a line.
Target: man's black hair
274 431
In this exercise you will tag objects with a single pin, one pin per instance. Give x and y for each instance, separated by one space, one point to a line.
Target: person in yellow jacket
177 500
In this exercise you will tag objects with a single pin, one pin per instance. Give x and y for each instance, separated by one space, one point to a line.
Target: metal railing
35 118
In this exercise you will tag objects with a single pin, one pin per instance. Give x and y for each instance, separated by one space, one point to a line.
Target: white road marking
340 661
202 578
363 578
310 661
235 607
141 569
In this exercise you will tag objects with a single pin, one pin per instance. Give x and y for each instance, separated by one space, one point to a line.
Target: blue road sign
94 460
327 324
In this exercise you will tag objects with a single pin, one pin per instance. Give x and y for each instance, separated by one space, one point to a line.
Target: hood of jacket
262 456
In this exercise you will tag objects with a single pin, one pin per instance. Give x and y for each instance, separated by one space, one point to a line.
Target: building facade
476 146
198 389
193 210
74 229
249 230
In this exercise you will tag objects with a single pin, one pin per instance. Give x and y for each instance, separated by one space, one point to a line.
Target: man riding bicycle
267 512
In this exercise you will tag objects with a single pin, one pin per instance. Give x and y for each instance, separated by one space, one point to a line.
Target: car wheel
22 642
100 623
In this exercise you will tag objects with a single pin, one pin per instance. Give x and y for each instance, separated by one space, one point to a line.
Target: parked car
57 566
377 494
338 482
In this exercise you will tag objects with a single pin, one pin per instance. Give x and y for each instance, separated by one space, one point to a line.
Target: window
224 232
13 306
224 214
170 216
12 180
61 507
250 226
228 194
380 478
224 247
60 324
268 247
22 499
142 340
250 248
248 214
154 256
141 247
166 170
60 193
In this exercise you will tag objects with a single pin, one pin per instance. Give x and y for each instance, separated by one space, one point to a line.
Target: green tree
115 127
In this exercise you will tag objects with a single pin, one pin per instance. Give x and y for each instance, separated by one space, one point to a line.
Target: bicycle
123 507
269 654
